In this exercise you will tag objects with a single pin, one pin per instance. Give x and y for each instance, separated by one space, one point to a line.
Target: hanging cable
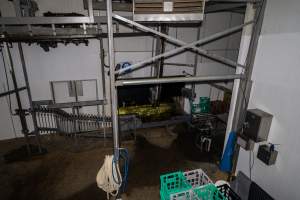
109 177
125 156
106 177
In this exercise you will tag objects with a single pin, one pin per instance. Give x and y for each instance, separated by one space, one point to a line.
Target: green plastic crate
173 183
202 107
195 108
208 192
204 104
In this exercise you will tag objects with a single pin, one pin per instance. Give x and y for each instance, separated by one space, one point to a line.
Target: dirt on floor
68 171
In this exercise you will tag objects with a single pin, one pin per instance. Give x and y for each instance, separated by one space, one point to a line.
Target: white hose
109 177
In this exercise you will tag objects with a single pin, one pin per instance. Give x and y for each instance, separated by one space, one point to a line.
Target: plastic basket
195 108
197 178
183 195
208 192
228 192
204 103
179 185
173 183
202 107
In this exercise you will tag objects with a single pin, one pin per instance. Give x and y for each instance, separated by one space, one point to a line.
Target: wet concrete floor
68 171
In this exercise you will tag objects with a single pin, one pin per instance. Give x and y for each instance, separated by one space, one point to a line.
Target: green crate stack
208 192
204 104
195 108
202 107
175 186
173 183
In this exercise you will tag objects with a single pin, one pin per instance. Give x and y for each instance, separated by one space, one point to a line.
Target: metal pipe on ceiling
153 81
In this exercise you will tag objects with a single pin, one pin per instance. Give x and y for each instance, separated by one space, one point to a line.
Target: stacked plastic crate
190 185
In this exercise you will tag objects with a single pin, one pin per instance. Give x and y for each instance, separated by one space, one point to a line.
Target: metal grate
50 120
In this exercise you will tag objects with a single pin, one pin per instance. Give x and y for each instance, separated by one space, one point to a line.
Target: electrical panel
267 154
257 125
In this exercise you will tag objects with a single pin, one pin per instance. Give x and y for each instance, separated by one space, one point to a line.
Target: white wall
82 62
227 47
276 90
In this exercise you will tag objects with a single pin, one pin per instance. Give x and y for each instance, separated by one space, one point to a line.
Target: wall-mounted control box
267 154
257 125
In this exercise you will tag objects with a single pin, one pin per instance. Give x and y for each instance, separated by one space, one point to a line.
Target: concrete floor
68 171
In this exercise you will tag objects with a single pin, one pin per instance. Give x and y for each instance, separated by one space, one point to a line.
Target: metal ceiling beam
181 43
196 79
58 38
221 87
77 104
49 20
244 90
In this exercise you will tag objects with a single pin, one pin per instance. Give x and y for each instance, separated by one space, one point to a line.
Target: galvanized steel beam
113 89
196 79
181 43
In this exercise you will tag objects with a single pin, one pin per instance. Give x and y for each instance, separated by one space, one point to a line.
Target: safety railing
53 120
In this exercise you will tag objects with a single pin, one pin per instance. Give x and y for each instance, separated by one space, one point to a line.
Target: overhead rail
47 26
52 20
194 79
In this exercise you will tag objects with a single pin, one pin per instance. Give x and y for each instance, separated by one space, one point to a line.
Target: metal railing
52 120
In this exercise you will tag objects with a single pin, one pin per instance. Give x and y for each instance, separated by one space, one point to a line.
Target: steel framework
183 46
111 18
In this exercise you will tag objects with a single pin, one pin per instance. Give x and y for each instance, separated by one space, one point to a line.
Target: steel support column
242 88
102 58
159 64
113 89
196 58
245 85
21 111
24 68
